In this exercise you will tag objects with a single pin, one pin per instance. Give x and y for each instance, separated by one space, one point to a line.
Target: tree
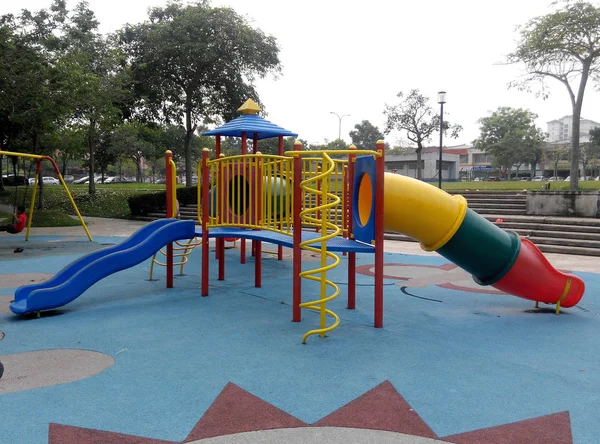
415 116
67 143
591 151
555 152
195 63
510 135
563 45
365 135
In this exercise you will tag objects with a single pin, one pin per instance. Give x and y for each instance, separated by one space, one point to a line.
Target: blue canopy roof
251 124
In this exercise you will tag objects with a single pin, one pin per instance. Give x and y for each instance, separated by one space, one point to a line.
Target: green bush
143 204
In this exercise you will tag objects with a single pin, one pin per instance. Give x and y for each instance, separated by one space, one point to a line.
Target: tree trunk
189 132
65 161
138 169
92 171
418 151
1 170
577 104
36 143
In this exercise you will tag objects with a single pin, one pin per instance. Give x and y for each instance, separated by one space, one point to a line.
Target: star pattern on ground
382 408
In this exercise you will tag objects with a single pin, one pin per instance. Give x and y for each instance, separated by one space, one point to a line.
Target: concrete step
549 227
494 200
501 213
581 251
540 240
486 197
499 206
558 247
570 221
558 235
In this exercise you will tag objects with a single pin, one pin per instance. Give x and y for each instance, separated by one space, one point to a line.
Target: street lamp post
339 122
441 101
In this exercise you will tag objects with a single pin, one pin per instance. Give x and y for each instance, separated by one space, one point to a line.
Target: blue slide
78 276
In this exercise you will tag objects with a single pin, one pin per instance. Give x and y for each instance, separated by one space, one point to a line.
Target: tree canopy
365 135
565 46
196 63
416 118
511 137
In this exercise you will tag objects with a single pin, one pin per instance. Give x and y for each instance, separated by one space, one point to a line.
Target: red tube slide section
533 277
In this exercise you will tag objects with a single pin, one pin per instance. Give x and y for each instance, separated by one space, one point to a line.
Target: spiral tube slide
81 274
443 223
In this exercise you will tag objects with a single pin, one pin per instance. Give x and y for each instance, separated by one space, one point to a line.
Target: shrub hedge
143 204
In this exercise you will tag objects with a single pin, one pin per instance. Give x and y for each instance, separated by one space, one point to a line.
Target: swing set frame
38 168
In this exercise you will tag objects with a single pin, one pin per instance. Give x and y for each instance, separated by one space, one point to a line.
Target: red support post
170 206
220 242
205 215
379 180
280 152
244 152
254 151
297 224
258 206
349 218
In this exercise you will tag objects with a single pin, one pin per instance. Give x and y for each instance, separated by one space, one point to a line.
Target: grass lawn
516 185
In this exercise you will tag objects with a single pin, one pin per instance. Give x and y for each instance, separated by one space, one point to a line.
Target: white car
537 178
50 181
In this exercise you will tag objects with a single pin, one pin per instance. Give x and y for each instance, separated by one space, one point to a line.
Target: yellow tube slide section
420 210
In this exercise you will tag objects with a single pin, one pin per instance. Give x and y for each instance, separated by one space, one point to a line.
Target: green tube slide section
482 249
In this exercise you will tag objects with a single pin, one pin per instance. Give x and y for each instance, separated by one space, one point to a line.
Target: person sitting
20 222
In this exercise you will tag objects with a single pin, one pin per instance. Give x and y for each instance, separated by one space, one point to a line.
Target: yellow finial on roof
249 107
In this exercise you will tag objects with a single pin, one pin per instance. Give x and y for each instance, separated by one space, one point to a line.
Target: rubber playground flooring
132 362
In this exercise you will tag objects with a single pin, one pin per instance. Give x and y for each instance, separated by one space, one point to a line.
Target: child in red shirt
20 224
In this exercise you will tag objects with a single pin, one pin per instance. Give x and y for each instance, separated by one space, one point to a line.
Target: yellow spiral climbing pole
185 247
328 230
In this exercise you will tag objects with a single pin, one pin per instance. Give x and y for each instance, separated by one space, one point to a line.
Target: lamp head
442 97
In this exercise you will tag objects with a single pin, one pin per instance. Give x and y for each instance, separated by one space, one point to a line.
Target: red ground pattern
381 408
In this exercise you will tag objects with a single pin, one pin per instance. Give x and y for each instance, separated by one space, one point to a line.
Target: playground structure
38 159
319 202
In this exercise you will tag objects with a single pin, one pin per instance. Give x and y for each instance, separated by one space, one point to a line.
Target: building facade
560 130
406 164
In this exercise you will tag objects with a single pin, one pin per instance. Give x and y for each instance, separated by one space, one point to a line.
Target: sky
352 57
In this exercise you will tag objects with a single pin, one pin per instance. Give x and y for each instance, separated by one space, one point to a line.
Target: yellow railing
264 202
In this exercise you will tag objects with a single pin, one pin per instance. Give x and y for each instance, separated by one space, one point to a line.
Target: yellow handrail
328 231
175 203
187 248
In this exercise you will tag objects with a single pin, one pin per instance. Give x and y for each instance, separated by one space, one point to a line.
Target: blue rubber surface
463 360
337 244
81 274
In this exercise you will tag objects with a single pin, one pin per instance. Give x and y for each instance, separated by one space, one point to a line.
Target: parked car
537 178
554 178
493 179
81 180
10 180
50 181
69 178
